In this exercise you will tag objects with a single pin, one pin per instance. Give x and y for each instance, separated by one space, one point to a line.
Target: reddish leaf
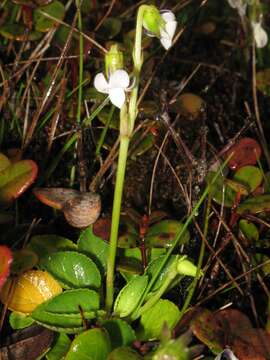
253 345
16 178
234 321
207 328
245 152
5 263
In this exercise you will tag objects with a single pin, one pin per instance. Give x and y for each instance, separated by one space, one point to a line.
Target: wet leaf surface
6 259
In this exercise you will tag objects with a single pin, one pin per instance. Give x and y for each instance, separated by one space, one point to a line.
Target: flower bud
152 20
114 60
186 267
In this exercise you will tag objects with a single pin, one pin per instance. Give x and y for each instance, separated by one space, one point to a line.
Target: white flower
240 5
167 32
226 354
260 35
116 86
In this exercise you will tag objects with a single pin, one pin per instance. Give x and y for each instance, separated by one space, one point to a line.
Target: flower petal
119 79
167 15
101 84
260 35
166 42
117 97
170 28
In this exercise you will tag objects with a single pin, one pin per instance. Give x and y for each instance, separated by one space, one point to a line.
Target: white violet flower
260 35
167 32
226 354
239 5
115 87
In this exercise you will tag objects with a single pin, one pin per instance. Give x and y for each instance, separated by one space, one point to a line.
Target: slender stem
80 65
120 176
127 120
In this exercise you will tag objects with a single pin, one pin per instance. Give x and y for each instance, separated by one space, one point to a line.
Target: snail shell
83 209
80 209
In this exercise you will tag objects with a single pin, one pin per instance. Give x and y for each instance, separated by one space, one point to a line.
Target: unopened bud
114 60
186 267
152 20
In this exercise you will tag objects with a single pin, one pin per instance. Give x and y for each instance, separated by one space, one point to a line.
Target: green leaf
249 230
130 295
46 244
19 320
23 260
93 344
63 312
4 162
42 22
153 320
163 234
16 178
250 176
112 27
254 205
124 353
72 269
120 332
59 348
172 349
94 247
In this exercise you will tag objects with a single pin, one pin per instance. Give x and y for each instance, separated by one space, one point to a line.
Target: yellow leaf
30 289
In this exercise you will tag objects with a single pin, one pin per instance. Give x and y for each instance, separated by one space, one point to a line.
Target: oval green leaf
19 320
46 17
16 178
64 312
220 191
249 230
130 295
72 269
250 176
93 344
154 319
163 234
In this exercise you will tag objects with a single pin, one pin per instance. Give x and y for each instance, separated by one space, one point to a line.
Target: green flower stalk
116 85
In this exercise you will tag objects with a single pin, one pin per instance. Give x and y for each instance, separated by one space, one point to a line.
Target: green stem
120 176
127 121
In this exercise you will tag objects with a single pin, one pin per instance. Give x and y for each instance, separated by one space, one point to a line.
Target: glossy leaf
163 233
250 176
130 265
64 312
59 348
120 332
124 353
154 266
254 205
72 269
143 146
244 152
154 319
16 178
47 244
29 290
19 320
55 197
92 344
172 349
5 263
130 295
42 22
94 247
